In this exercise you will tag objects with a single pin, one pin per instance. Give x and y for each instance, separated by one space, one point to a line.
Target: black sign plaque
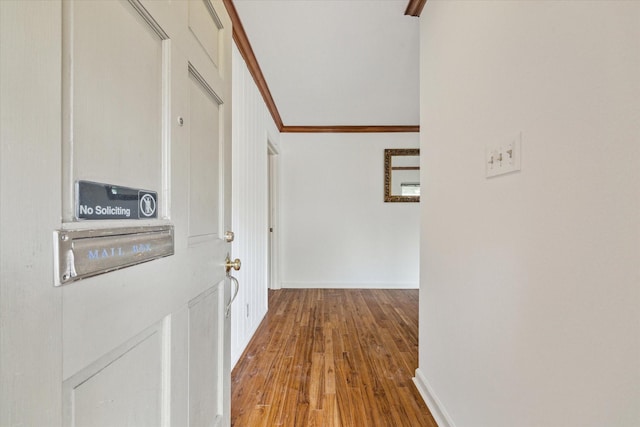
95 200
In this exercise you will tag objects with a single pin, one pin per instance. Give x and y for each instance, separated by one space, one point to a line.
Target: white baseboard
433 403
348 285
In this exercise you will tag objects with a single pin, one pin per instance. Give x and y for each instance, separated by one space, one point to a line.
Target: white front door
145 103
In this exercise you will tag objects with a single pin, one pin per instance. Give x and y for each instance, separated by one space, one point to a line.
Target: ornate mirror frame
389 153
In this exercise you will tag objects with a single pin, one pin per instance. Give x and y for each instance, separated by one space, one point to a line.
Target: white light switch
503 159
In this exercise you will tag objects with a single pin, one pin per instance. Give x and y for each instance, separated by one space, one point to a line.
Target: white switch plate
504 158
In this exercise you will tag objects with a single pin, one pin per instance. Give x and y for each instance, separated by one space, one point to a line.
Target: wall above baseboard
347 285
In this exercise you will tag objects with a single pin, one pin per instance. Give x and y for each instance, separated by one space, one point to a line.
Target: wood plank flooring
329 357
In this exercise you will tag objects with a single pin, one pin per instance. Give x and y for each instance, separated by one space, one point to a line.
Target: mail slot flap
85 253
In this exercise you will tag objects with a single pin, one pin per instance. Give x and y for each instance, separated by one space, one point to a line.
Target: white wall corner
434 404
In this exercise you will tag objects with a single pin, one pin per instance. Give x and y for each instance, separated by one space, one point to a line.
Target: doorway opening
273 278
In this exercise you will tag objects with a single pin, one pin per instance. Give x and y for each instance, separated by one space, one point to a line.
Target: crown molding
242 42
349 129
414 8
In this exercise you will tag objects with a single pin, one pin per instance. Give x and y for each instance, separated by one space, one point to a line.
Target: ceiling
336 62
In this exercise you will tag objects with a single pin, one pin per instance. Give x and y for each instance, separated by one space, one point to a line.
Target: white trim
272 146
349 285
144 13
437 409
273 204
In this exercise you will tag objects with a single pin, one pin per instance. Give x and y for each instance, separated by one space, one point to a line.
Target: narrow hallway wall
253 128
530 289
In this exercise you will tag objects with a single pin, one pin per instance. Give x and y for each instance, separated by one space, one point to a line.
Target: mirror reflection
402 175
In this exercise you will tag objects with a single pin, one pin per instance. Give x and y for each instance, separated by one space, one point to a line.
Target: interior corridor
332 357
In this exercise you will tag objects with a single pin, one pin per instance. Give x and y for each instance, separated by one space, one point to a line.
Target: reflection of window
410 188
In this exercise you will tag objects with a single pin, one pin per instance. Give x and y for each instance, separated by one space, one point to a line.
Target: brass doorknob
235 264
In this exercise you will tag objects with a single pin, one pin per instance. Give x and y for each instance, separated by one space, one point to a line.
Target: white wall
530 285
253 127
337 231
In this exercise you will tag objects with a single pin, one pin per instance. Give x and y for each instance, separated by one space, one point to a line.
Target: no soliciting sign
95 200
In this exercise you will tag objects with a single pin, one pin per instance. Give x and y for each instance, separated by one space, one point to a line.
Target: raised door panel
122 388
205 25
115 94
205 359
204 157
208 45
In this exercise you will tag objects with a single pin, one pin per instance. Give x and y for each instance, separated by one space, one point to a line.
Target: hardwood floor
329 357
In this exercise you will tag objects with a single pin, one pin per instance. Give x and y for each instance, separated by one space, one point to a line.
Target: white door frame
274 215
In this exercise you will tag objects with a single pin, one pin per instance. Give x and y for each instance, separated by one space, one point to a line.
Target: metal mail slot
85 253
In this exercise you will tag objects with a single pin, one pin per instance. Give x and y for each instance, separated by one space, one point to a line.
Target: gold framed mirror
402 175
